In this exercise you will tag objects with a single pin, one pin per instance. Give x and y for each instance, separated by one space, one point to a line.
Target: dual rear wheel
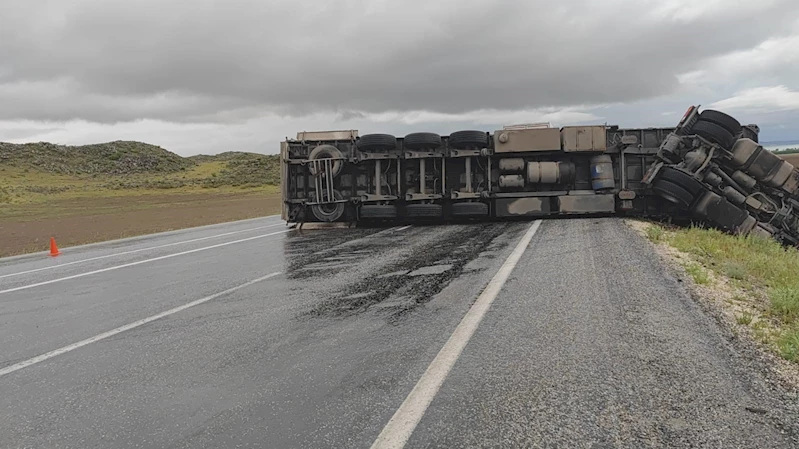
717 127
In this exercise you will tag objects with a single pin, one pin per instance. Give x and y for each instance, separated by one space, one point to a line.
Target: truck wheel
721 119
682 179
673 193
377 142
468 139
422 141
423 210
325 152
469 209
713 133
378 211
327 212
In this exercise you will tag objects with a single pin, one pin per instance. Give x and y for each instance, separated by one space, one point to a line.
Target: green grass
655 233
785 302
697 273
744 318
751 263
734 270
788 344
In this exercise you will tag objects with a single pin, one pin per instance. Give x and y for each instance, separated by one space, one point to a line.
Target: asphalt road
563 333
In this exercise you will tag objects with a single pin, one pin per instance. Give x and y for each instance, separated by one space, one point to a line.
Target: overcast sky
202 76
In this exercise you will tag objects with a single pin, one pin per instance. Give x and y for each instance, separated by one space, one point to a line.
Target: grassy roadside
757 280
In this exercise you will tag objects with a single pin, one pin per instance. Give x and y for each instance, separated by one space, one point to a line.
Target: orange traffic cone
53 248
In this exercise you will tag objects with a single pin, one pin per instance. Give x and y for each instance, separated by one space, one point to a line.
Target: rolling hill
129 164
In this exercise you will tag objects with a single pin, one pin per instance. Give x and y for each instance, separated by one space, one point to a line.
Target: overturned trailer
708 169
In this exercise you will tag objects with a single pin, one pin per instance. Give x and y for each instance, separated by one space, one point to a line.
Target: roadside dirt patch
79 221
792 158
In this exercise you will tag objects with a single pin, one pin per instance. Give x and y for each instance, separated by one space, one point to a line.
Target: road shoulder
729 305
592 341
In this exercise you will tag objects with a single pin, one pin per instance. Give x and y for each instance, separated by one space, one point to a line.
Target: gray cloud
205 61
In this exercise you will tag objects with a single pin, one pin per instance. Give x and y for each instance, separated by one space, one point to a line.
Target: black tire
324 152
721 119
422 141
377 142
469 209
327 212
713 133
673 193
682 179
461 140
423 210
378 211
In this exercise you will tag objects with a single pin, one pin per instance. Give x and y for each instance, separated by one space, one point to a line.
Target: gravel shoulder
728 302
594 342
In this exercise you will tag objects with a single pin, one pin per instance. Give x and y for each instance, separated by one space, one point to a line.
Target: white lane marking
127 327
140 250
403 228
399 429
168 256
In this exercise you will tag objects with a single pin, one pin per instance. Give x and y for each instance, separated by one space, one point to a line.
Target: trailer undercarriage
708 170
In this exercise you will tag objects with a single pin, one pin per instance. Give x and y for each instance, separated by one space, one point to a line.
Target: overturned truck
708 169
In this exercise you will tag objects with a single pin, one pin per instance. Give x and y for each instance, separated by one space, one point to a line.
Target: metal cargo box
327 135
584 138
522 140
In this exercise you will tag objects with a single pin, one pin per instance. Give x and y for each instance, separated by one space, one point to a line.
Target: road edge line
400 427
133 251
11 259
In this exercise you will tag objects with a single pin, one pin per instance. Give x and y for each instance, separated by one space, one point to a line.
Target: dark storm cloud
225 61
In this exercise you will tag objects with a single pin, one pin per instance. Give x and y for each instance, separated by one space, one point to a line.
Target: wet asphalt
590 343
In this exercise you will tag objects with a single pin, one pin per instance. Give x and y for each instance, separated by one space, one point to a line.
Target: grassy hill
112 158
39 171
